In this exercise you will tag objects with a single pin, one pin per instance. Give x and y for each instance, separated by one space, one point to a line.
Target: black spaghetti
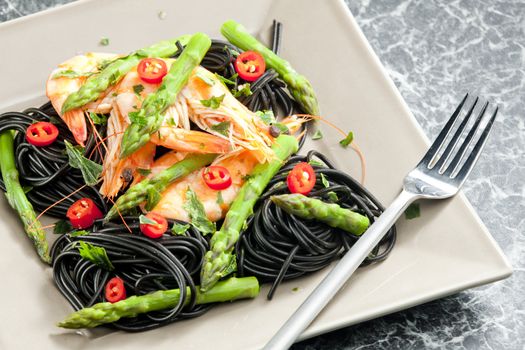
278 246
145 266
45 170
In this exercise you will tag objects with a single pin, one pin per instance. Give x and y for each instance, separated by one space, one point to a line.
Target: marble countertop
435 51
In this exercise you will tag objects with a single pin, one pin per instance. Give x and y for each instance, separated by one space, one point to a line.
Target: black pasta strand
145 265
45 171
277 246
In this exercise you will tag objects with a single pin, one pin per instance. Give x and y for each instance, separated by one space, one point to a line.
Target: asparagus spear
299 86
98 83
150 189
101 313
17 198
219 259
329 213
149 118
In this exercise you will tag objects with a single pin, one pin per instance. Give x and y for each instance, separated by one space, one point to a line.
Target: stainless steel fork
438 175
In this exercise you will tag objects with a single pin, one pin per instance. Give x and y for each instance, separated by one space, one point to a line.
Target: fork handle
336 278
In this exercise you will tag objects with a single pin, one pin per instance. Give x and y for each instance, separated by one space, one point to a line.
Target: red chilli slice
83 213
250 65
115 290
301 178
152 70
217 177
41 134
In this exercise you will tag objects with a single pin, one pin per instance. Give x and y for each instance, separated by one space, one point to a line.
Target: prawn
216 203
67 78
174 133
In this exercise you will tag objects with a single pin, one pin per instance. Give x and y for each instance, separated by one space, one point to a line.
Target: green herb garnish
220 200
332 197
196 212
68 73
179 229
324 181
137 89
104 42
242 90
79 233
232 81
98 119
222 128
266 116
97 255
214 102
317 135
314 162
90 170
413 211
62 227
144 220
144 172
347 140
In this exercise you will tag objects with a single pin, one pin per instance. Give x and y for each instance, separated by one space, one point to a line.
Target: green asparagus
97 83
17 198
299 86
150 189
149 118
101 313
219 259
329 213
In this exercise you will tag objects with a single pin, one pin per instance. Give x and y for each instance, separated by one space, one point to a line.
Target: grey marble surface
435 51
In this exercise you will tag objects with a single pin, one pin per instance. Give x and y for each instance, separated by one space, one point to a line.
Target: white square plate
444 251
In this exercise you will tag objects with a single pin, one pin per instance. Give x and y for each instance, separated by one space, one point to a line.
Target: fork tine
455 139
476 151
466 143
434 148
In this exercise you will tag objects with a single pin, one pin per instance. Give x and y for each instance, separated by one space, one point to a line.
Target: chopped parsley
242 90
79 233
214 102
68 73
324 181
62 226
144 220
232 52
413 211
197 215
97 255
144 172
232 81
220 200
266 116
90 170
347 140
317 135
137 89
314 162
179 229
332 197
98 119
222 128
104 42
